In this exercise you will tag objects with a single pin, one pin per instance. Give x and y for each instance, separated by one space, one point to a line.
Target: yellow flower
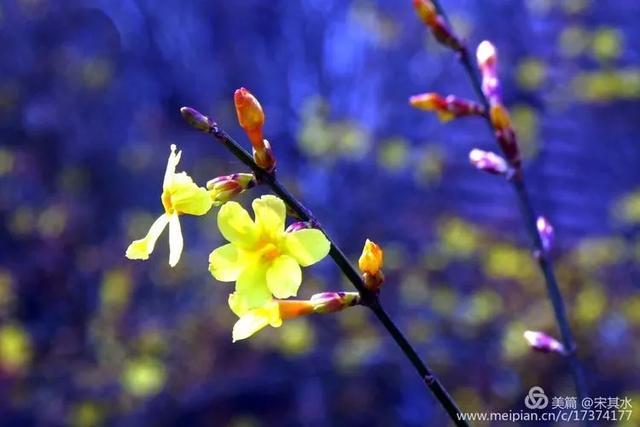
261 257
275 311
180 195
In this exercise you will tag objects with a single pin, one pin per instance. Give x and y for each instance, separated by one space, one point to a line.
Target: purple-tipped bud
539 341
329 302
545 229
488 162
297 226
224 188
196 119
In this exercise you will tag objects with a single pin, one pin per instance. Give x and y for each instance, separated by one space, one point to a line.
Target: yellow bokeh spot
590 304
22 221
573 7
482 307
634 414
540 6
15 347
419 330
628 208
631 309
430 164
531 73
469 399
595 253
144 376
352 352
393 153
514 346
7 161
414 289
525 123
296 337
115 289
607 85
86 414
606 44
508 262
443 300
52 221
6 288
573 41
326 139
459 238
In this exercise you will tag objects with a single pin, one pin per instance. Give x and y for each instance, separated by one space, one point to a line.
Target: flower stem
529 216
368 298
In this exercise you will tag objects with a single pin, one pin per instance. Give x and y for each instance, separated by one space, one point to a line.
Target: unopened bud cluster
428 13
487 59
447 108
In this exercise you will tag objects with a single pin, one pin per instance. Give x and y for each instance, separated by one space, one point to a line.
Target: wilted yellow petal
142 248
236 225
225 263
270 214
174 159
175 240
307 246
252 285
284 277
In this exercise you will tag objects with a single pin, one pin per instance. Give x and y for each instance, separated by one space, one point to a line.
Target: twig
369 299
528 214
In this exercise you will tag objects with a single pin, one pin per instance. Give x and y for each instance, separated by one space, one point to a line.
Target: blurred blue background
89 98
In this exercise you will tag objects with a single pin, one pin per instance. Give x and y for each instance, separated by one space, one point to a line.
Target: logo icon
536 399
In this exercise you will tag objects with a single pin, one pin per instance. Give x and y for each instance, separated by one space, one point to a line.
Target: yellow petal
174 159
236 225
307 246
142 248
224 263
188 198
252 321
237 304
270 214
175 240
252 285
284 277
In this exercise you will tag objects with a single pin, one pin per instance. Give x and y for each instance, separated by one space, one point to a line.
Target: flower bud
544 343
545 229
224 188
446 108
196 119
250 116
296 226
488 162
370 264
264 156
330 302
487 62
372 258
427 11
